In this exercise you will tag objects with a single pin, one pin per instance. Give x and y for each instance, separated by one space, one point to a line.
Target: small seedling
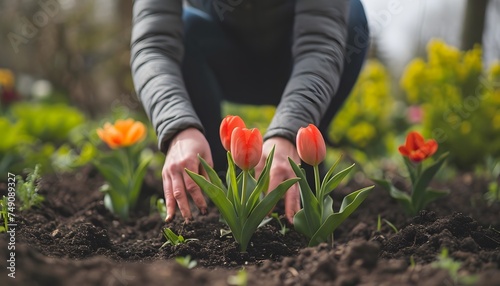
412 262
173 238
4 213
452 266
379 224
186 261
224 232
240 279
394 228
27 191
283 228
158 204
493 193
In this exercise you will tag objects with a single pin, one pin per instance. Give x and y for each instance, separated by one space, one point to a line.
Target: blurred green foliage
47 123
41 133
255 116
460 101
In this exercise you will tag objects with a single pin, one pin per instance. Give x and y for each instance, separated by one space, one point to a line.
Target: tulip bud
246 147
226 129
311 145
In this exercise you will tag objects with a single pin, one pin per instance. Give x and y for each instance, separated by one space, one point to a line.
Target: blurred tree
81 47
472 31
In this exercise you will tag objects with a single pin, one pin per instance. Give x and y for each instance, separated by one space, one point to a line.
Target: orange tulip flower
416 148
226 129
123 133
311 145
246 147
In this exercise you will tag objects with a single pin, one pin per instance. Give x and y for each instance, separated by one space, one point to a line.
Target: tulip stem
419 169
244 187
317 182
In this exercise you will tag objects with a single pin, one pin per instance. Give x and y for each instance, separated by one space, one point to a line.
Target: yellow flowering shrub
461 101
365 119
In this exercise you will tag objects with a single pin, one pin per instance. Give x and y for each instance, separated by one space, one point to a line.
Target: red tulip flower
226 129
311 145
416 148
246 147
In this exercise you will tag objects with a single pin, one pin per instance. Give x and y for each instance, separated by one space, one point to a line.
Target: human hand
183 154
281 171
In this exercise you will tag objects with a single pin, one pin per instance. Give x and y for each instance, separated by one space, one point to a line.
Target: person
302 56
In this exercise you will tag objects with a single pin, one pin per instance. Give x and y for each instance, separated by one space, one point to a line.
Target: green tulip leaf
404 198
309 201
335 181
212 175
350 203
262 183
418 194
330 173
218 197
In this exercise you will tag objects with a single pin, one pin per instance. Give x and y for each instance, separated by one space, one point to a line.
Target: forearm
320 35
156 54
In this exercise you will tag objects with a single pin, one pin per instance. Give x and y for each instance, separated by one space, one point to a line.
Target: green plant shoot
283 228
27 191
317 220
4 214
186 261
124 167
243 208
173 238
415 152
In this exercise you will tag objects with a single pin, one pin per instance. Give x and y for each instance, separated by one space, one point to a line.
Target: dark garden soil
73 240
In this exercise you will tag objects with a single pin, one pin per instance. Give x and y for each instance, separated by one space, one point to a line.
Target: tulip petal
432 147
123 126
404 151
414 140
226 129
122 133
416 148
246 147
136 133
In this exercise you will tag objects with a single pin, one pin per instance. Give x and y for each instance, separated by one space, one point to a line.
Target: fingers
169 199
292 202
176 185
195 191
180 196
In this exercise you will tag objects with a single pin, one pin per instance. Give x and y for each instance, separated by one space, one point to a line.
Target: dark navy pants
216 68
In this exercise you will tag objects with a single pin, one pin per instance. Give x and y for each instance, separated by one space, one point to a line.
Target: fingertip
203 211
169 218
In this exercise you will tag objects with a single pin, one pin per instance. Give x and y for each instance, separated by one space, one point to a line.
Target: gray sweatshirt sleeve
320 34
156 55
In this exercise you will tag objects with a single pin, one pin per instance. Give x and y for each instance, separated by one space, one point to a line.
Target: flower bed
72 239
